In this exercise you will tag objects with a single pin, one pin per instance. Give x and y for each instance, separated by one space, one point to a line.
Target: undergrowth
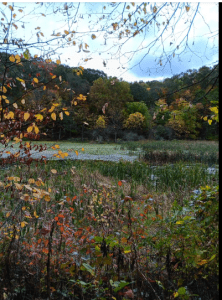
97 230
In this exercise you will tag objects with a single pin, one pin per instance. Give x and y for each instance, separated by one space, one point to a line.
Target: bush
131 136
161 132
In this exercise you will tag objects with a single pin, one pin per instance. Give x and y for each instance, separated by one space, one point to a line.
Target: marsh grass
103 223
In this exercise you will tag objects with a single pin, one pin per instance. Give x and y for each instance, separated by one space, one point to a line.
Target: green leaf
26 54
89 269
182 291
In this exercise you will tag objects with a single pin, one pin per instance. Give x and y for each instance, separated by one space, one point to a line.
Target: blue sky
203 43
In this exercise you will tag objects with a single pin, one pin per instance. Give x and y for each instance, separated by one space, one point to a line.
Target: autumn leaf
53 116
53 171
66 112
51 109
61 115
119 183
187 8
29 129
26 116
23 224
76 152
209 122
154 9
35 214
47 198
12 58
83 149
39 117
36 129
15 105
4 89
35 80
66 32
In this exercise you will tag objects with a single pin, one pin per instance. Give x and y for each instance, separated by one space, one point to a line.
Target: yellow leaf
35 214
202 262
209 122
83 149
187 8
36 129
4 3
53 116
176 294
10 7
29 129
66 32
8 214
39 117
35 56
35 80
205 118
14 15
20 10
53 171
60 78
4 90
31 180
23 224
93 36
54 76
44 88
154 9
67 113
74 43
43 15
17 140
57 146
127 251
61 115
15 105
77 153
12 58
7 101
52 108
75 103
26 116
58 61
179 222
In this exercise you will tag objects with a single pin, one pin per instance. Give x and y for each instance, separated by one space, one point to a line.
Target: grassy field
105 230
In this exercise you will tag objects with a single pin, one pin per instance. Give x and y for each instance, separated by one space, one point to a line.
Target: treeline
106 108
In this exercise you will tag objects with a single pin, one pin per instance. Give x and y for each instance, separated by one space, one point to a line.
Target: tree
183 119
133 107
135 121
91 75
109 96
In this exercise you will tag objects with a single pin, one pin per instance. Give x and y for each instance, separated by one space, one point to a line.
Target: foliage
133 107
92 232
100 122
135 121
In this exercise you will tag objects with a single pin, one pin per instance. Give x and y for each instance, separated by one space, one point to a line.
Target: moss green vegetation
105 230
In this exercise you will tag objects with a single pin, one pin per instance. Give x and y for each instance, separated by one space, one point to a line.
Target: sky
145 65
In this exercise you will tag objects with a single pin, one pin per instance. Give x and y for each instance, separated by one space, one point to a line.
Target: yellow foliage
100 122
